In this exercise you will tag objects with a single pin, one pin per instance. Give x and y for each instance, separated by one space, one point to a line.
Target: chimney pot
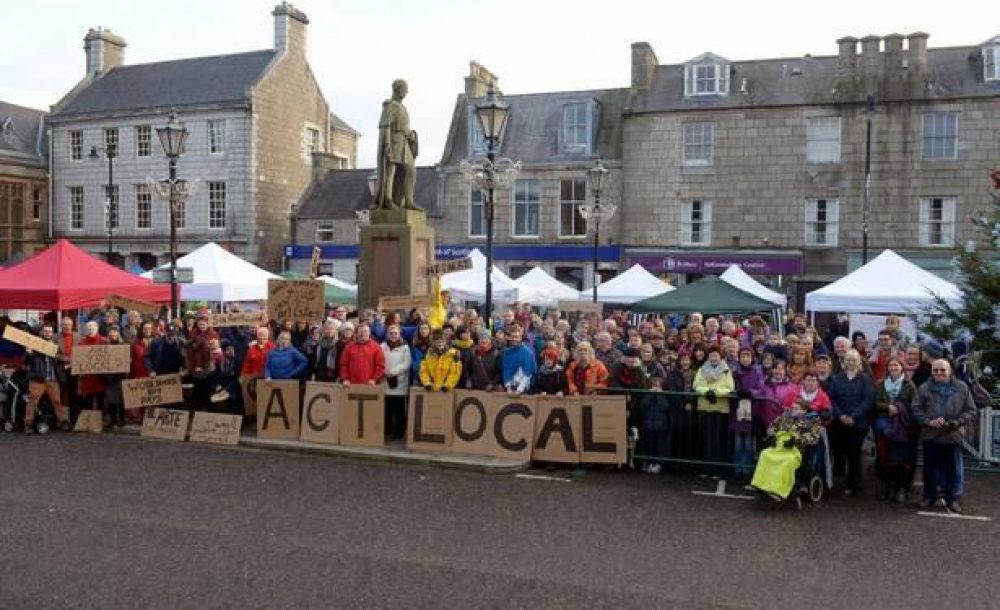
644 63
480 80
104 50
289 28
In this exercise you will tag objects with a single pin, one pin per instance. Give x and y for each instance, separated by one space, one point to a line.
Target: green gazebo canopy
331 293
707 295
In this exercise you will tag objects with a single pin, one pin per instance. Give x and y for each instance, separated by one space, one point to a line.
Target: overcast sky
357 47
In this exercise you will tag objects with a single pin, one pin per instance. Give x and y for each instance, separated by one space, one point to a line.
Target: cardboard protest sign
404 303
152 391
90 421
362 416
169 424
278 409
298 300
237 318
130 304
513 425
314 263
473 427
101 359
430 424
557 430
321 413
216 428
583 307
30 341
248 385
459 264
602 423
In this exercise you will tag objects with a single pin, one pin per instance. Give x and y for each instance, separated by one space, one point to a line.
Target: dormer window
991 60
707 74
579 120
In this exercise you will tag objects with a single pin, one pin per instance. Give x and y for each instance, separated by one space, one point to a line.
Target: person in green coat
713 383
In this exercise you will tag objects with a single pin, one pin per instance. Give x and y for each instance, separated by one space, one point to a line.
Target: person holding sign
441 367
363 360
91 387
518 366
397 381
586 374
284 361
45 373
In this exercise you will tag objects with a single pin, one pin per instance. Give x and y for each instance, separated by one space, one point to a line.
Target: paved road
122 522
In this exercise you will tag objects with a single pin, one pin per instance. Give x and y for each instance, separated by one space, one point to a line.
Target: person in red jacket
91 387
253 363
810 398
363 361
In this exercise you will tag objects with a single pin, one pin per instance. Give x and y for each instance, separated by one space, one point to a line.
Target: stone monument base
395 248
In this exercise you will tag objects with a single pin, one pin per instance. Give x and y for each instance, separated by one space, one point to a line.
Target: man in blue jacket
284 361
518 363
852 393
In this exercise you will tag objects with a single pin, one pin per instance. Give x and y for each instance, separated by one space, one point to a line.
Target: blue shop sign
560 253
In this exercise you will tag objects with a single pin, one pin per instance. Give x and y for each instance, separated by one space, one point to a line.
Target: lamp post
488 174
110 209
172 138
596 176
866 210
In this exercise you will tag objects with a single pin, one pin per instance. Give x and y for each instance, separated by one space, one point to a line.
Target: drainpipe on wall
51 191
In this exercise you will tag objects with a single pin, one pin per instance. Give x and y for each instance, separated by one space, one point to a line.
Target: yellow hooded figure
438 313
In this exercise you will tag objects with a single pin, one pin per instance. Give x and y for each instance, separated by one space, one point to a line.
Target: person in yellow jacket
440 299
441 367
713 383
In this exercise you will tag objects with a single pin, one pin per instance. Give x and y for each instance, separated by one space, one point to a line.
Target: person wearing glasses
942 408
852 393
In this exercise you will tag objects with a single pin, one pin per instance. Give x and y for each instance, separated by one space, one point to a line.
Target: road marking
720 492
541 477
924 513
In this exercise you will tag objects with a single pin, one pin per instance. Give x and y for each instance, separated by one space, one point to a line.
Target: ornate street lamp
488 174
110 209
596 179
172 136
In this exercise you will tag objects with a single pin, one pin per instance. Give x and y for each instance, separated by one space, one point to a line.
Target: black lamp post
172 138
492 117
110 209
596 177
866 211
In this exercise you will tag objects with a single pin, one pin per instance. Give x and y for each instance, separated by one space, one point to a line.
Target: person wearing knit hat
441 367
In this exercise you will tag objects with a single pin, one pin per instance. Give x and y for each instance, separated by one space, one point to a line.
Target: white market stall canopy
550 290
220 275
329 279
627 287
887 284
735 276
470 284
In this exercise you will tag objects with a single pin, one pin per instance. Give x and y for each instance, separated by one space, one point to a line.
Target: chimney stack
479 81
644 63
918 52
104 50
871 64
289 29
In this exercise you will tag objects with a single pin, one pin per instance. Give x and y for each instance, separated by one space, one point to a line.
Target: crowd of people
699 390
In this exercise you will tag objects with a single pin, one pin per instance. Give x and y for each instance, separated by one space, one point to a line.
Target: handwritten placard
169 424
130 304
216 428
237 318
403 303
90 421
101 359
30 341
298 300
152 391
441 268
583 307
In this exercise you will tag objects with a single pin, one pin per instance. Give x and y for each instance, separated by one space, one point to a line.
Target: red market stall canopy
67 277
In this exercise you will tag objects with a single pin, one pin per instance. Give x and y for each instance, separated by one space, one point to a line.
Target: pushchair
795 468
14 402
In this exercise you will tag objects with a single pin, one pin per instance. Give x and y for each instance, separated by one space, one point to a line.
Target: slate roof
340 124
952 72
342 192
22 131
200 80
534 123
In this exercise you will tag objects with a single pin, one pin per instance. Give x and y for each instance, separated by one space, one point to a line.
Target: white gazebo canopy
628 287
735 276
329 279
470 284
550 290
887 284
221 276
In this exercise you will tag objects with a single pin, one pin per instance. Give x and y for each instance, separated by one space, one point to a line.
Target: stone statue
397 152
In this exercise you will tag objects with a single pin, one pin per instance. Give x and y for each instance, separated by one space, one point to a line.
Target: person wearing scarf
895 434
463 341
749 380
551 376
397 381
713 383
778 390
481 368
586 375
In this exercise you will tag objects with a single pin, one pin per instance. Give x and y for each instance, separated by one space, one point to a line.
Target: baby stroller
14 402
795 467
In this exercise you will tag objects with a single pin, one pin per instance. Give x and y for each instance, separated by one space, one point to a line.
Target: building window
823 140
76 145
477 213
572 195
991 63
216 205
706 79
324 232
142 140
937 221
575 135
477 139
143 207
111 206
699 143
111 140
180 214
36 204
76 207
216 136
526 198
696 223
940 135
313 134
822 216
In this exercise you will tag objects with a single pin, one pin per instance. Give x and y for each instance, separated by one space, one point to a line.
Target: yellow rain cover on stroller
775 471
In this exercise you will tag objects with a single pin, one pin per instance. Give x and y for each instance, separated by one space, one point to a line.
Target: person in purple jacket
749 379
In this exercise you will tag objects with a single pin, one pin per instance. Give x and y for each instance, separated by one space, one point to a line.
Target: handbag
392 381
897 427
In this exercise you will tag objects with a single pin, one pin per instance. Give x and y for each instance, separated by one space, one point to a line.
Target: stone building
24 182
763 162
254 118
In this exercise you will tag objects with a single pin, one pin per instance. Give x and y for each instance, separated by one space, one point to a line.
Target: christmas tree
978 277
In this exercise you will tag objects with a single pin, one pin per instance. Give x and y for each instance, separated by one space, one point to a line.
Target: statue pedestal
394 249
